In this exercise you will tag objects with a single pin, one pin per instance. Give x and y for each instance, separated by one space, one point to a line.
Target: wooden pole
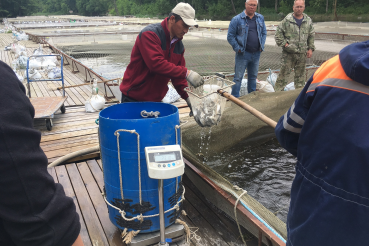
326 7
234 9
248 108
276 6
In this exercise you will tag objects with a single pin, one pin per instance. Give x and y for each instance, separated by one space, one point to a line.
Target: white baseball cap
186 12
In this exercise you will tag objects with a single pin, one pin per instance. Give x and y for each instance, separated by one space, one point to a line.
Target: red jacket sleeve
180 84
152 53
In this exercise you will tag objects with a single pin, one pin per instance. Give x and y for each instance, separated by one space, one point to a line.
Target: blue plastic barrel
152 132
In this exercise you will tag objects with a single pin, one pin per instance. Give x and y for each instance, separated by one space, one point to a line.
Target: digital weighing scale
163 162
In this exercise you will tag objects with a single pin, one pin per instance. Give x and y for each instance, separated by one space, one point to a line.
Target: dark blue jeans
251 62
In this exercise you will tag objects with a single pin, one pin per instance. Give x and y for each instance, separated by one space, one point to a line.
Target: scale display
165 157
164 162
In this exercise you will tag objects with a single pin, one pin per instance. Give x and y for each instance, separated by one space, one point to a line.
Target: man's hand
286 45
195 79
309 53
189 105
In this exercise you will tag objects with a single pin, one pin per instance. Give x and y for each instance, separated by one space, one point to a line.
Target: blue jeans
251 62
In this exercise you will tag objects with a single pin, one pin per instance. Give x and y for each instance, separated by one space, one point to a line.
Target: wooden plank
70 126
220 228
230 225
206 234
67 150
112 233
74 80
71 145
66 130
51 171
69 134
100 163
67 118
94 227
74 114
82 97
63 142
65 182
97 172
94 155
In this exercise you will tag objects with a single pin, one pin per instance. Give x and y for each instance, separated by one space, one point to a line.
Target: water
105 66
266 171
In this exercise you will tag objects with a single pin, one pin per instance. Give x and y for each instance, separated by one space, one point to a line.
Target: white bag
15 49
34 74
171 95
264 86
48 64
54 73
94 104
21 62
51 58
34 64
272 78
243 89
289 87
21 53
22 48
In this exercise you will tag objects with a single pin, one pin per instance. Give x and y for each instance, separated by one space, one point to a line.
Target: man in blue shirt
247 35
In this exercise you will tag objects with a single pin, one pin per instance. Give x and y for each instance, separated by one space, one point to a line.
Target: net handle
248 108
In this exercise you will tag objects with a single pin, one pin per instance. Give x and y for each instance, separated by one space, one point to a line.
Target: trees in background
209 9
17 7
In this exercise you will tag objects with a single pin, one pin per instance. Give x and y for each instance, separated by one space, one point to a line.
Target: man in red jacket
157 56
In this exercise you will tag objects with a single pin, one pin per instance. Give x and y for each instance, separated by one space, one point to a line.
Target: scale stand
163 162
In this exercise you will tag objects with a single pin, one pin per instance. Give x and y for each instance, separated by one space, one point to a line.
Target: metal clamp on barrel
146 114
177 127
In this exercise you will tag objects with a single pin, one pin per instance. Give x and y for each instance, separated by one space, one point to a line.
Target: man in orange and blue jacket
327 129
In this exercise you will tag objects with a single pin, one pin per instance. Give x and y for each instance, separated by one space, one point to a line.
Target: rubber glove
195 79
189 105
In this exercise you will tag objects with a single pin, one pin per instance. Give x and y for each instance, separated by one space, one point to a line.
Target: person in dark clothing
326 128
157 56
34 211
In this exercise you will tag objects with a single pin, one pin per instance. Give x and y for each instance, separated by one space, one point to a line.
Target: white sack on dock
264 86
289 87
171 95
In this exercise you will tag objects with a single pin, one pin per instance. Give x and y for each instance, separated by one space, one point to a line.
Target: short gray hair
256 1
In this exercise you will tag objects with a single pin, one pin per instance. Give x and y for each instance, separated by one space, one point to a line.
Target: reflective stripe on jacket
327 128
238 31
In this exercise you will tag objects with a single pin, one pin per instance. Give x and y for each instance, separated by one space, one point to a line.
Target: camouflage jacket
300 39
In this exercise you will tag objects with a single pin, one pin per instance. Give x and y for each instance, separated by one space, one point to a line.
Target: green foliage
285 7
205 9
221 10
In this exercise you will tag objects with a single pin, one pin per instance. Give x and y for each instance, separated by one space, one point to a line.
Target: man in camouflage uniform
295 34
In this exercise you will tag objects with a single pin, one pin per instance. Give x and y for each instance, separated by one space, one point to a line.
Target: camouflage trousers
296 61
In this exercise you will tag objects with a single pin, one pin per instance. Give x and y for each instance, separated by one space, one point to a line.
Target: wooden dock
75 130
83 180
